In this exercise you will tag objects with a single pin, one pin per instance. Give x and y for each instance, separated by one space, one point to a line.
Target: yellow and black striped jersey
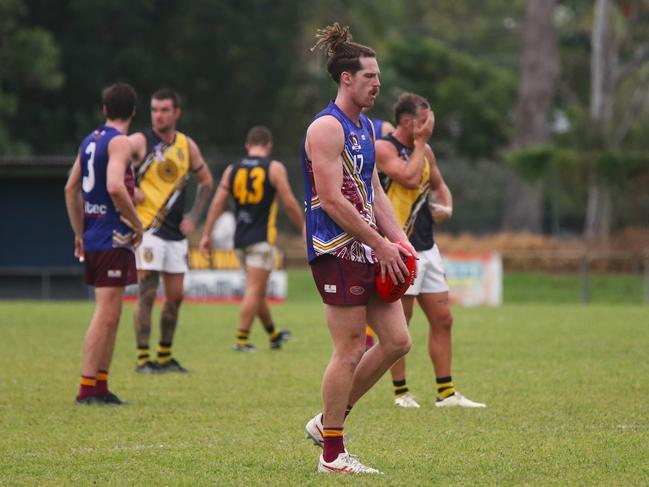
162 177
411 205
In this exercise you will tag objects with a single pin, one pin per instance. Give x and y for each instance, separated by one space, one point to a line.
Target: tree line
551 94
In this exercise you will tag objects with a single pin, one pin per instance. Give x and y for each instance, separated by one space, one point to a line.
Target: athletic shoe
112 399
458 400
344 463
283 336
313 430
170 366
89 400
406 401
248 347
147 368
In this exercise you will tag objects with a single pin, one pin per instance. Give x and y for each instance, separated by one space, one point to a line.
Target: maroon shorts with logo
343 282
110 268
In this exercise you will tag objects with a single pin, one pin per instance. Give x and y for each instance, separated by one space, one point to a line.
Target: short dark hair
344 55
120 100
167 94
259 135
408 104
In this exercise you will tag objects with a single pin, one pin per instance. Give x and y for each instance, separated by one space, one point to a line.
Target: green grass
537 287
567 388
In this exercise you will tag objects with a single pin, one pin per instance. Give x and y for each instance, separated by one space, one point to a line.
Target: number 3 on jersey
249 193
88 181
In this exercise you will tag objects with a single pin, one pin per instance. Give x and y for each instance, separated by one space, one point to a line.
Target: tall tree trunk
603 69
539 74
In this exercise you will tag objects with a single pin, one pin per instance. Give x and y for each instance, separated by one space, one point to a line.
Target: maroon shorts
110 268
343 282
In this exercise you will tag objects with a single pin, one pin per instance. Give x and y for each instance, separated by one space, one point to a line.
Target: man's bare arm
218 202
119 157
279 180
74 199
74 205
138 145
215 211
407 173
442 208
203 189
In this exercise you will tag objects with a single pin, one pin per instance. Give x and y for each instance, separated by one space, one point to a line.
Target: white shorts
430 274
261 255
157 254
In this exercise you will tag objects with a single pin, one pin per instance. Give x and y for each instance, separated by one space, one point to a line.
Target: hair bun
333 38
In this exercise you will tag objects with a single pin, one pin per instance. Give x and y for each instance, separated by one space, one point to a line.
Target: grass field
567 388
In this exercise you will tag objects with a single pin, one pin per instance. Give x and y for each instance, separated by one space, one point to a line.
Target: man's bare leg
438 313
99 340
264 314
389 324
174 292
347 328
147 289
100 337
398 370
437 309
255 294
402 396
277 336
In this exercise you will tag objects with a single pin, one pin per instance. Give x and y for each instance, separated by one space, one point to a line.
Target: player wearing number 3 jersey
254 184
98 197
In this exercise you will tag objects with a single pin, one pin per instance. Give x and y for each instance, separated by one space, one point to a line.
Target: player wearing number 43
254 182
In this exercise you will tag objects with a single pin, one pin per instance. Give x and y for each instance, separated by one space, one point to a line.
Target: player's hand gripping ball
391 291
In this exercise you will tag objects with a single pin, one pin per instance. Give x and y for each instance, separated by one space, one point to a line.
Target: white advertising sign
475 279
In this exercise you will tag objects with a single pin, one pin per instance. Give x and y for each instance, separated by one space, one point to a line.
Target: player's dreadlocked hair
344 55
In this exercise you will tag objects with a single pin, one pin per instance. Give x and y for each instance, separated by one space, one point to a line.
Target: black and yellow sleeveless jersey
255 202
162 177
411 205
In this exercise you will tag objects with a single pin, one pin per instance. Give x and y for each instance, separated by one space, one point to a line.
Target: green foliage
29 59
472 99
35 59
537 162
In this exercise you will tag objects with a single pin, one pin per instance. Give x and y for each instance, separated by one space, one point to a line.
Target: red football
391 291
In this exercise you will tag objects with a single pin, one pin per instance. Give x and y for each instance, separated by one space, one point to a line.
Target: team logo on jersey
353 140
148 255
167 171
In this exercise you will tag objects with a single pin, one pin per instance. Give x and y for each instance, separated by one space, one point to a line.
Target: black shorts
343 282
110 268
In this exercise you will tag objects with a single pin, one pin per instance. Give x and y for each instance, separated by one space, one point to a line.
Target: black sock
445 387
242 337
272 332
142 355
400 388
164 352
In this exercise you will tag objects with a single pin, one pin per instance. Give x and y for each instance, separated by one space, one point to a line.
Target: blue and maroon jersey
324 236
377 123
102 227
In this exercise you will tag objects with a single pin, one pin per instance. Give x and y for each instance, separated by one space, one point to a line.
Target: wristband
444 209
